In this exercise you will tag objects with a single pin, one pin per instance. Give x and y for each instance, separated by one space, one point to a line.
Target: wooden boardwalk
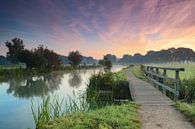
156 111
144 93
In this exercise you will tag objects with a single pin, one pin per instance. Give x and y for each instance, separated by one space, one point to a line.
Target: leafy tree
14 48
32 59
107 63
39 58
74 58
52 58
111 57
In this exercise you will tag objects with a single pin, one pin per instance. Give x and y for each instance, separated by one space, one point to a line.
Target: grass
81 113
187 109
108 87
188 73
110 117
52 109
137 72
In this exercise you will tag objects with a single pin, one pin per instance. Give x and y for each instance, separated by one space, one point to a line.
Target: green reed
50 109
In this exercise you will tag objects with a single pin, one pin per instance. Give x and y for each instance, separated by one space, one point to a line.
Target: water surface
15 94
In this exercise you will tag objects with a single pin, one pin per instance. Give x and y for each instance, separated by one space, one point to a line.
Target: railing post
176 85
164 81
157 78
147 70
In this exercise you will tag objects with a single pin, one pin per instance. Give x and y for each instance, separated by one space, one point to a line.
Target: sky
98 27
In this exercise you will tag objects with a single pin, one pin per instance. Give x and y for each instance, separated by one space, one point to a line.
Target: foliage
110 117
14 48
105 87
187 90
163 56
51 109
111 57
39 58
74 58
107 63
187 110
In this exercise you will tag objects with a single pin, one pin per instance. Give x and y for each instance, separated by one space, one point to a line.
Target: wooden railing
158 76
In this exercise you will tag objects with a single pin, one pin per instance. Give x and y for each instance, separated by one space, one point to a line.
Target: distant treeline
162 56
41 56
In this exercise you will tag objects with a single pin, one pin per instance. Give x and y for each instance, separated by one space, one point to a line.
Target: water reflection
35 86
75 79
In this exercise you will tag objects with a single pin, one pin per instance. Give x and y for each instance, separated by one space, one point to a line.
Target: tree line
38 58
163 56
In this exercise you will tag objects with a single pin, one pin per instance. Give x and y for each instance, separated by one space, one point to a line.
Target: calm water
15 94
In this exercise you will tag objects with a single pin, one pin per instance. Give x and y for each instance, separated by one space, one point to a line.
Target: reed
51 109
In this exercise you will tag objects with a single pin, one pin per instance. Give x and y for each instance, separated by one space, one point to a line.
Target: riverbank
111 117
97 108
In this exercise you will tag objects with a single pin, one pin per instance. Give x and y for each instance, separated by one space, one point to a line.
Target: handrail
167 68
154 76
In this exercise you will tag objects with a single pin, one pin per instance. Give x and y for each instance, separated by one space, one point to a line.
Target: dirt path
156 111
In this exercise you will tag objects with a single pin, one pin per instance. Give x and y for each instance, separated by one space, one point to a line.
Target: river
16 94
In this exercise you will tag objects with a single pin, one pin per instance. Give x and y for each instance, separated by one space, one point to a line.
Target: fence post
164 80
157 78
176 85
147 70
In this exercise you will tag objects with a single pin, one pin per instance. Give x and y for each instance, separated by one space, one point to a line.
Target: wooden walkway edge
156 111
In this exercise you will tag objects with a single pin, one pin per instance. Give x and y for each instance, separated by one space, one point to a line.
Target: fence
160 79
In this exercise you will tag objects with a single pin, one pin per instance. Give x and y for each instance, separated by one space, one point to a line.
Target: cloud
118 26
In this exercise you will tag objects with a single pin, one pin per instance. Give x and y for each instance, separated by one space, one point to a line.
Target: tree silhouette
74 58
14 48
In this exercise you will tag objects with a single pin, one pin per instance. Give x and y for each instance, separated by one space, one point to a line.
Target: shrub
108 87
187 90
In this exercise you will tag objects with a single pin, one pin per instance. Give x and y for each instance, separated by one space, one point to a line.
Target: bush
187 90
121 90
108 87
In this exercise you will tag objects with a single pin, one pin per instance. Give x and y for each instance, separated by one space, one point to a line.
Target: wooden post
157 78
151 76
176 85
147 70
164 81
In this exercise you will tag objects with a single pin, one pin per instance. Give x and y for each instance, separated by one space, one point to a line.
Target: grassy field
188 73
110 117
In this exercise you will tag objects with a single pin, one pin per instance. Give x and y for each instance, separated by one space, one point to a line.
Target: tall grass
187 90
51 109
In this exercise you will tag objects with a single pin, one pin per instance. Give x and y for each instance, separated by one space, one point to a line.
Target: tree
52 58
111 57
14 48
106 62
74 58
32 59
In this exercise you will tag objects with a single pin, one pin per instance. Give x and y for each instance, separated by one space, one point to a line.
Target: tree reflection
75 79
35 86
